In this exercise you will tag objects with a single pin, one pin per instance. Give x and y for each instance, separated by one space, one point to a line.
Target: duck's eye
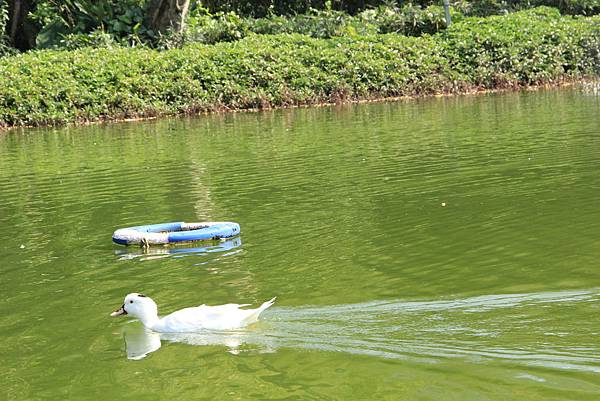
131 301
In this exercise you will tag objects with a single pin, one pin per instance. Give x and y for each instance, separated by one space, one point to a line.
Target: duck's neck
149 319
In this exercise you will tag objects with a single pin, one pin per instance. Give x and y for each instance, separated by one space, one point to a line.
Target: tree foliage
4 42
65 22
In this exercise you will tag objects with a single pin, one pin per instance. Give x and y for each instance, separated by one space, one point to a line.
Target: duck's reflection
140 341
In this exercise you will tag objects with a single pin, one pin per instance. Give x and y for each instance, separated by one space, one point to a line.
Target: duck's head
137 305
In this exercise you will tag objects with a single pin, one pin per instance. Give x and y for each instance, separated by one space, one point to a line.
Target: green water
438 249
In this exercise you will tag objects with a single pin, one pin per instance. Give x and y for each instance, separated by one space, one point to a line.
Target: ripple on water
426 331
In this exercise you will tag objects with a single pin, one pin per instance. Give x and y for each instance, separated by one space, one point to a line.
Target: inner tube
167 233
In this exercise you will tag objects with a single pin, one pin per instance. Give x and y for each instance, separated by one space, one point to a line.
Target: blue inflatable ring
167 233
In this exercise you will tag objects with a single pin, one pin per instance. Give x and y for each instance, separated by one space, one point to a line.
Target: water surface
431 249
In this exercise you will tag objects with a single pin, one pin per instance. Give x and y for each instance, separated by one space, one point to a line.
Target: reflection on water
591 88
140 341
156 252
472 328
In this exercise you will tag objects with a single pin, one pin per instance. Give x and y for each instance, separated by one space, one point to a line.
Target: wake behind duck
203 317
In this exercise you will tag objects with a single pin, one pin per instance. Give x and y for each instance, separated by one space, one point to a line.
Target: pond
443 248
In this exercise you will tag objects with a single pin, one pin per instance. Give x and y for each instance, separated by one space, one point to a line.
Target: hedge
526 48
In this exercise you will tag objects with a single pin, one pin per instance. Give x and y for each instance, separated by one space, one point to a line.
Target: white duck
221 317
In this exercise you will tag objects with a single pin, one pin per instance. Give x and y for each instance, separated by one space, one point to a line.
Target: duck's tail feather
254 316
265 305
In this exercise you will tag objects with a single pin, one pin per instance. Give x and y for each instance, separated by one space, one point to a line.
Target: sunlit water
423 250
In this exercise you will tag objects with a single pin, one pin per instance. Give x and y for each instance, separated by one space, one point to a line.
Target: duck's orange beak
120 311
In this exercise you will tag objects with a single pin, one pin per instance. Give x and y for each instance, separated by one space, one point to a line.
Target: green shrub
318 24
527 47
95 39
210 29
57 87
410 19
569 7
263 8
221 27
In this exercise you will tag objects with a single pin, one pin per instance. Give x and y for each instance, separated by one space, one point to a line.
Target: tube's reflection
223 246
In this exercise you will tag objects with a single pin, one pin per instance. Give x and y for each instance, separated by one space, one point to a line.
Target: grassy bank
525 48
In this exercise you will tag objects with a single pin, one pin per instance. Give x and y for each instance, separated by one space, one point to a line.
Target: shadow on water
493 327
226 247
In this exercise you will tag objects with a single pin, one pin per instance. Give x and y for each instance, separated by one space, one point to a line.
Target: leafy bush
57 87
318 24
263 8
221 27
409 20
484 8
573 7
527 47
95 39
